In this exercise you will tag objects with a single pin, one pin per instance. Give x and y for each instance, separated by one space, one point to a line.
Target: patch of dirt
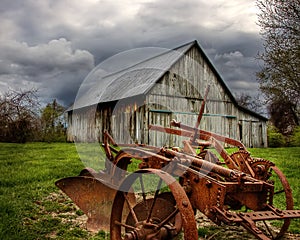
73 215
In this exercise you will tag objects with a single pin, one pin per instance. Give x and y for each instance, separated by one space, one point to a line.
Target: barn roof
138 79
132 81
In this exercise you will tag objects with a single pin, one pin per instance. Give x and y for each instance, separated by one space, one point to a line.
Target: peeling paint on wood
178 95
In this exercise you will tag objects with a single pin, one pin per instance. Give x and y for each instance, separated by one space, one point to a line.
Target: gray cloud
51 67
54 44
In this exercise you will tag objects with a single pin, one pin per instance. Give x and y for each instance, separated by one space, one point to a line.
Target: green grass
28 173
30 204
288 161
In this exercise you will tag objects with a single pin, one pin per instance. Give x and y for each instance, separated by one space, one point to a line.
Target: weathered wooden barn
168 86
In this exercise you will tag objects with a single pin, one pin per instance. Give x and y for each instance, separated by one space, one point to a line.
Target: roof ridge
153 57
185 44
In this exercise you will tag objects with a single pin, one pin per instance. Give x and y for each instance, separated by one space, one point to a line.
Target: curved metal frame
183 204
288 200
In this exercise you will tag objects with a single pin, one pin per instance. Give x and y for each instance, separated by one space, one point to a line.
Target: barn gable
157 90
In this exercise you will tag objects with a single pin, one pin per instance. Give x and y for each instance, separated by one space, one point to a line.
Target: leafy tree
52 122
19 120
279 77
282 116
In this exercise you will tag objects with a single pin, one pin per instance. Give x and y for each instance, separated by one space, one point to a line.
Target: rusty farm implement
160 198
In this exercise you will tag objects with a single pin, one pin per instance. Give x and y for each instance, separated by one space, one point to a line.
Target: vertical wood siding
178 95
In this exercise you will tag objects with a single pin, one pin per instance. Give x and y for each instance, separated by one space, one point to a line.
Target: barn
167 86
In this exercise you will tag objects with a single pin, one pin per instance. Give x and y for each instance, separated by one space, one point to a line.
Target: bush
275 138
295 138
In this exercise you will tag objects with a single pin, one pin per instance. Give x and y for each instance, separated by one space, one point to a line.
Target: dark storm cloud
54 44
236 60
54 67
230 47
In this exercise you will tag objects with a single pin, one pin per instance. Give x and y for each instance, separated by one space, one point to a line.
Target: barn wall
128 121
180 93
81 125
124 120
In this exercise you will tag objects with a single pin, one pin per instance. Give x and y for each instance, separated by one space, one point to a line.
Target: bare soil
209 230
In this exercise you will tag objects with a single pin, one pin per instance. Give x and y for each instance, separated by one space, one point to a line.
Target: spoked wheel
282 199
162 211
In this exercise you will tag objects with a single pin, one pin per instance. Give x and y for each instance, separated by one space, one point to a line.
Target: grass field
30 203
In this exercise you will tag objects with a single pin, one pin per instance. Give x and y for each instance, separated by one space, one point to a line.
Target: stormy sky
52 45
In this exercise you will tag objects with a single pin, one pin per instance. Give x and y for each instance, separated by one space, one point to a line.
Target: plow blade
94 196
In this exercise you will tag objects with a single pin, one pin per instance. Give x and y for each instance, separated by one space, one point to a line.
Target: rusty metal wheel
282 199
162 211
283 195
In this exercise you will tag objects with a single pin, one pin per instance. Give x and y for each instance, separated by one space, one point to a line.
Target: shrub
295 138
275 138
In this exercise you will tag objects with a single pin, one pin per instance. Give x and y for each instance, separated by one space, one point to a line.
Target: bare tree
254 104
279 77
19 120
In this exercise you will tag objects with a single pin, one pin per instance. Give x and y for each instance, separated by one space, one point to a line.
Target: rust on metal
94 196
160 219
193 177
